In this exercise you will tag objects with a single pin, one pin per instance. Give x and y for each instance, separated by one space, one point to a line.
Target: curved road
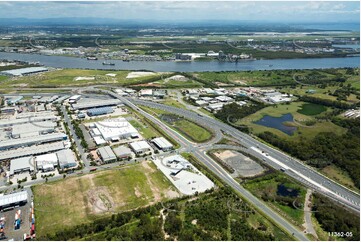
269 155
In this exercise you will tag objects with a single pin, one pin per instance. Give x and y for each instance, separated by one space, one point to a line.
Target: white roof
162 143
43 160
115 128
22 163
33 127
215 105
146 92
224 98
96 132
66 157
99 140
140 145
13 198
75 97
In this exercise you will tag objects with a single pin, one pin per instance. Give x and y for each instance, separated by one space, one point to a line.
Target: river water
244 65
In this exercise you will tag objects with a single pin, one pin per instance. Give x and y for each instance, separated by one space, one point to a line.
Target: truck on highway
283 169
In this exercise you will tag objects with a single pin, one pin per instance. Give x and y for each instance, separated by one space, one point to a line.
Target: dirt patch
100 200
137 192
239 164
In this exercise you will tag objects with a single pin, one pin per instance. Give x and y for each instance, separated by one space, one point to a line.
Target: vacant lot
241 165
82 199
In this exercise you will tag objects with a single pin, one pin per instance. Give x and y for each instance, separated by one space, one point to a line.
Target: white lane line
300 175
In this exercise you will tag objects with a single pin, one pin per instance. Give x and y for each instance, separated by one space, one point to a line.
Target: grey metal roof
65 157
106 153
24 71
122 150
32 150
96 103
8 144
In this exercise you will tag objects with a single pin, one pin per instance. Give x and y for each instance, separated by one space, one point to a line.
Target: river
195 66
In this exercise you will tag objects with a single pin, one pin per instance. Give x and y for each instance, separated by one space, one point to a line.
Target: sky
285 11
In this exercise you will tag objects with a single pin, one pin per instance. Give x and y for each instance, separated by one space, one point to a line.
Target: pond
277 123
284 191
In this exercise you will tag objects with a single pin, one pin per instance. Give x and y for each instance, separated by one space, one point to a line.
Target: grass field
144 130
82 199
266 189
174 103
190 130
67 77
311 109
319 92
335 173
303 131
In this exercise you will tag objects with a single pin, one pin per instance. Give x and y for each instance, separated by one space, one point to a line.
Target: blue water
194 66
282 190
277 123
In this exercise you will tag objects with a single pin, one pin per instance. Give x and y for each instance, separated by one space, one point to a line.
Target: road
270 156
218 170
76 139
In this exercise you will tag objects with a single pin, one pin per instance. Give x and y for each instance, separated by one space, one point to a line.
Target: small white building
46 162
140 147
162 144
224 99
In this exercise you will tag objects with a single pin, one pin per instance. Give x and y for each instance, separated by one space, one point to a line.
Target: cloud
185 10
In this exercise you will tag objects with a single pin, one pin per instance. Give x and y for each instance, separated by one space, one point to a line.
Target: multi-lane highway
199 151
269 155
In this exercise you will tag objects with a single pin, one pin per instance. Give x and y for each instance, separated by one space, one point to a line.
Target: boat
108 63
92 58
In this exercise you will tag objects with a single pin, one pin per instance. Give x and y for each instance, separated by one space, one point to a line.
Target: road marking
325 189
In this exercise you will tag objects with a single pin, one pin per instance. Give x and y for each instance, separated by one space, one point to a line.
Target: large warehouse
24 71
96 103
99 111
66 159
116 129
41 139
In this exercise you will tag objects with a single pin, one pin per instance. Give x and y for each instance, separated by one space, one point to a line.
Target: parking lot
10 232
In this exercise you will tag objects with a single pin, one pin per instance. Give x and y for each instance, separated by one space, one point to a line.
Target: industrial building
123 152
99 111
24 71
41 139
32 129
28 151
162 143
140 147
66 159
46 162
25 120
74 99
95 103
10 100
107 155
13 199
23 164
115 129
